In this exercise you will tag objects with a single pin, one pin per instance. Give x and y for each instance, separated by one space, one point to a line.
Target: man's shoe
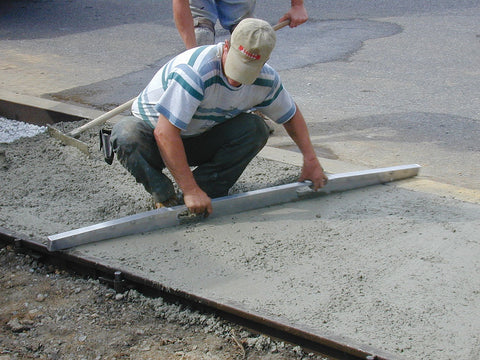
167 203
204 31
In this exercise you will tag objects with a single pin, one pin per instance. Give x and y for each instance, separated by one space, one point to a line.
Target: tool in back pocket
106 146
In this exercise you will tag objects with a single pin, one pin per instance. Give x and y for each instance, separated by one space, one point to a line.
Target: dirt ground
46 313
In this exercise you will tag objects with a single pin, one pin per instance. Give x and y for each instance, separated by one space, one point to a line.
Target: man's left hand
313 171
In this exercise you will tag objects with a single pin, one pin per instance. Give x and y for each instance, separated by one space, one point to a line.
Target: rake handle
281 25
102 118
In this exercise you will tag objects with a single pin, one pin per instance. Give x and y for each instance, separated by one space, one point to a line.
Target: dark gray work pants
220 155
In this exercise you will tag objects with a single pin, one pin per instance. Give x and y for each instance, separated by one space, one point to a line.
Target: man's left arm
311 170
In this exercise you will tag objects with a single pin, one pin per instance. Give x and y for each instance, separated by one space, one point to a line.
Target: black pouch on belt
106 146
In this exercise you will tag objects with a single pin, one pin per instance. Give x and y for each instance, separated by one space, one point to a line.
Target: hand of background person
297 15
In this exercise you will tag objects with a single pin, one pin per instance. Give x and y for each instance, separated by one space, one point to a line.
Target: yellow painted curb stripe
415 184
433 187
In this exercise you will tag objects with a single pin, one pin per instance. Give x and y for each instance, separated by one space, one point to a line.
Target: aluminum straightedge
232 204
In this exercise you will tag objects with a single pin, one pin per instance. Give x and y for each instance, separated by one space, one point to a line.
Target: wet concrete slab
365 264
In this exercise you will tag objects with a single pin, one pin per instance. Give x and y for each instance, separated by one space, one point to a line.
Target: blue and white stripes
192 92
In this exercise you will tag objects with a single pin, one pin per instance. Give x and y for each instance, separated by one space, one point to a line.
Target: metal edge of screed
167 217
83 147
251 200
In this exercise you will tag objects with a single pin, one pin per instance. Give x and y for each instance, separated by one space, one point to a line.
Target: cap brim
236 68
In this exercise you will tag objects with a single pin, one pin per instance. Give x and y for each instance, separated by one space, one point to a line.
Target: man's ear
226 49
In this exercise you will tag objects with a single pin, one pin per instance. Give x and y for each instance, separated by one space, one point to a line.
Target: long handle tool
71 138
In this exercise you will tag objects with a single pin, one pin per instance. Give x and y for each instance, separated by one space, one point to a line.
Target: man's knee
258 131
126 135
124 130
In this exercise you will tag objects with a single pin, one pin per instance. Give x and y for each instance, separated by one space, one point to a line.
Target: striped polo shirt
192 92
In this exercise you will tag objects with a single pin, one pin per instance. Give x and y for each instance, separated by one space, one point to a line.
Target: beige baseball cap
251 43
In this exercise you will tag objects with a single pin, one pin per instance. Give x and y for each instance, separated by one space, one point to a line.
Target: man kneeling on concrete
195 112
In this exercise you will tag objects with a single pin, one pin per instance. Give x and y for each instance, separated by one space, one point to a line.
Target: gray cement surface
365 264
380 84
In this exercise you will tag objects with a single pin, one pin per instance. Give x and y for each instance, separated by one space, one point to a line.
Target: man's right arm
184 22
171 149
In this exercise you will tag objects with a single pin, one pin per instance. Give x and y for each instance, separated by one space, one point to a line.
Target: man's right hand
173 154
198 202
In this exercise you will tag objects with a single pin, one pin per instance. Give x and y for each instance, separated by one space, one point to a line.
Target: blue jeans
220 155
228 12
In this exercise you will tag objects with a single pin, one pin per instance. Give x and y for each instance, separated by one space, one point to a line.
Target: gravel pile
11 130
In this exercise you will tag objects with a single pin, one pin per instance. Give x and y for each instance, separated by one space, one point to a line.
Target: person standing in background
195 19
